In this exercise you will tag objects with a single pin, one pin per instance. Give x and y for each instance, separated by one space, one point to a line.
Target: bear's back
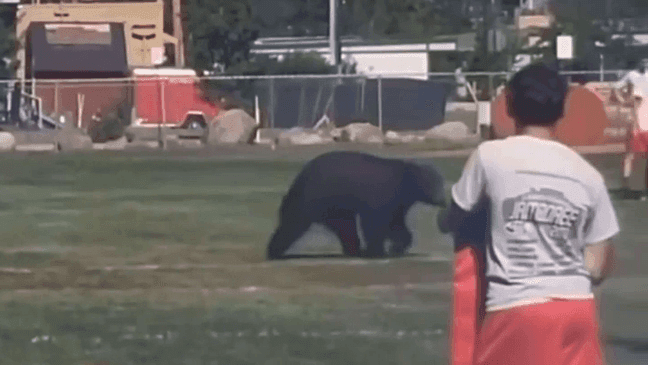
350 176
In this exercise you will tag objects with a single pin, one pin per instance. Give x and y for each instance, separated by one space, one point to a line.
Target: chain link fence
390 101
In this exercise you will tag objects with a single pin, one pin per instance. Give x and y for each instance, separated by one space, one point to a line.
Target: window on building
78 34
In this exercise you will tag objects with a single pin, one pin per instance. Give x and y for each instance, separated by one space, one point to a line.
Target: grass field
108 258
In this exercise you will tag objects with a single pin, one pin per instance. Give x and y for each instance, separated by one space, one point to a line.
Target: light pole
334 37
178 33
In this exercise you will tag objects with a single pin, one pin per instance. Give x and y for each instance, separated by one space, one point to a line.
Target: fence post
380 110
56 97
39 101
302 101
161 136
490 86
362 96
272 104
257 119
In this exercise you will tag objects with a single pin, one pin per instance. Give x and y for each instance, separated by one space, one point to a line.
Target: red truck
170 97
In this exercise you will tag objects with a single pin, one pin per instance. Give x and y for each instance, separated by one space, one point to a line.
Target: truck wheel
195 123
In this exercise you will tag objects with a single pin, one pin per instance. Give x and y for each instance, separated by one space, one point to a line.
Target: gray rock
364 133
116 145
73 139
301 137
449 130
233 126
399 137
7 141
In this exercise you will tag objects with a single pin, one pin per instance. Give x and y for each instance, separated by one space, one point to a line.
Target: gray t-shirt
546 204
639 82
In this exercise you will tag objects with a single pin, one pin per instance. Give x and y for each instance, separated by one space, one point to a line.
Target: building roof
167 71
273 45
52 53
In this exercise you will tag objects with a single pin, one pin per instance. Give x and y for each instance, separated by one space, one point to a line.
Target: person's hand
614 97
442 222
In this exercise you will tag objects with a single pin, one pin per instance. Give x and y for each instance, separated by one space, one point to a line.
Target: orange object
639 141
583 124
557 332
566 329
467 304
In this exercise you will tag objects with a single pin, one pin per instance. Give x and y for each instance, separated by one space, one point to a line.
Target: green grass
65 217
138 334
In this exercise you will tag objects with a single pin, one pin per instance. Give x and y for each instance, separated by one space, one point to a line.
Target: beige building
69 28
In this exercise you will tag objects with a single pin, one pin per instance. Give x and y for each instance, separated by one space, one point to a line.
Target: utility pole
486 27
178 33
608 9
334 36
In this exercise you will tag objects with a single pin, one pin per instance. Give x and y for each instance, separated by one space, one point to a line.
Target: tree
8 41
404 19
221 31
243 91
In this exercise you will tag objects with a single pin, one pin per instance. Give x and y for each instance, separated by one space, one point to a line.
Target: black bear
335 187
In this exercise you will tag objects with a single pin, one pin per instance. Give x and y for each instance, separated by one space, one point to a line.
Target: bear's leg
286 234
347 232
375 227
401 241
400 236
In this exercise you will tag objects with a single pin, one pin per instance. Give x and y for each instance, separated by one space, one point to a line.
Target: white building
374 58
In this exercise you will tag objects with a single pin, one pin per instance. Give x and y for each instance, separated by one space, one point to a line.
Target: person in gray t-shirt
550 222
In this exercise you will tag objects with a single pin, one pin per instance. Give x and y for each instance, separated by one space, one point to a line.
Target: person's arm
449 219
599 253
625 83
599 260
466 193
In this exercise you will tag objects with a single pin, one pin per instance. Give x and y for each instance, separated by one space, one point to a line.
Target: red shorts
560 332
639 141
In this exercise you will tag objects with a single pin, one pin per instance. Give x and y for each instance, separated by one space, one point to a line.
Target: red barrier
467 305
584 122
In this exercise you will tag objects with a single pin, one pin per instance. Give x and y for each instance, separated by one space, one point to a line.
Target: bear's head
426 183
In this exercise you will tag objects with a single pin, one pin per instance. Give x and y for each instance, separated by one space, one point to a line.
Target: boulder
339 135
74 142
68 137
114 145
396 137
301 137
73 139
450 130
7 141
233 126
363 133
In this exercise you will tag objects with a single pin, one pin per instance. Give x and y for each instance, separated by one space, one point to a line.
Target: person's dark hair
536 96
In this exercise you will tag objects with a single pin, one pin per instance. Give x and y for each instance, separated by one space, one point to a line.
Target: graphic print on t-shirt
541 227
